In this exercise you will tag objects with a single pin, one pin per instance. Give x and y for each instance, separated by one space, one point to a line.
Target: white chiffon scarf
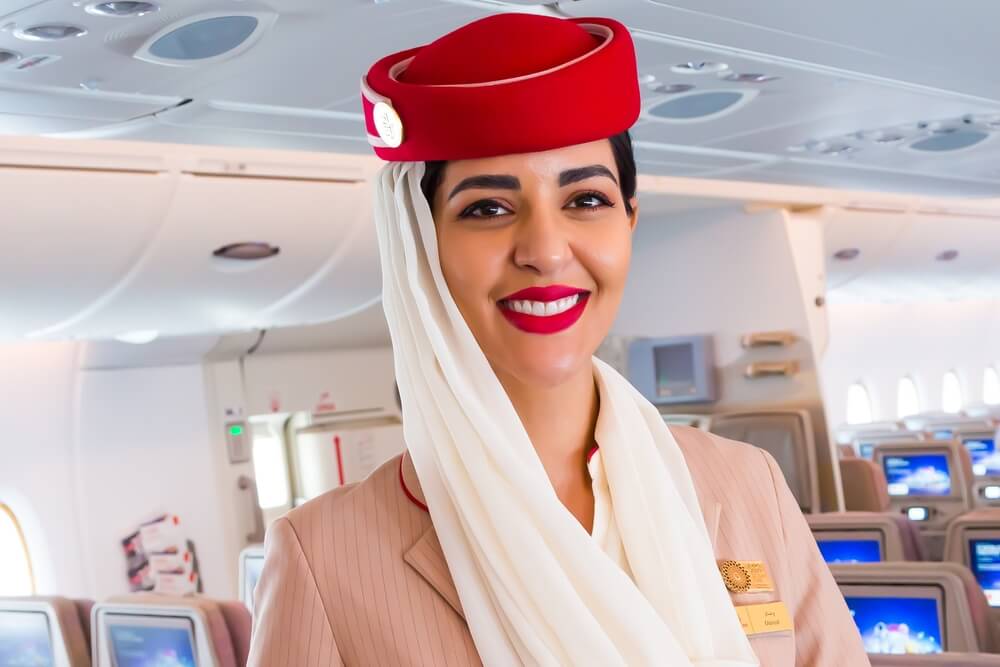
535 587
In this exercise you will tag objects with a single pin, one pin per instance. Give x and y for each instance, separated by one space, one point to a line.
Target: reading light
138 337
991 492
917 513
249 251
705 67
122 9
49 32
847 254
838 149
748 77
672 88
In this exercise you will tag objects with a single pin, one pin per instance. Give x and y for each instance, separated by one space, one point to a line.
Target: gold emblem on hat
735 575
388 124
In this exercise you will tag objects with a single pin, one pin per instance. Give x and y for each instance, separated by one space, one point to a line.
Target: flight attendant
543 513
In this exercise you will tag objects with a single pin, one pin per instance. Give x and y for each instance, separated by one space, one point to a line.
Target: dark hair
621 146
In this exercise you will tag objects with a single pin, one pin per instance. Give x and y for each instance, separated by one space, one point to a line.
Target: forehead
543 165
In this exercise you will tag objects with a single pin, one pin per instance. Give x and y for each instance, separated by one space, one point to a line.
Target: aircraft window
16 577
907 400
859 404
951 393
991 386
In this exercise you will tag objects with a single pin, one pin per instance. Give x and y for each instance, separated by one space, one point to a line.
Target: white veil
535 587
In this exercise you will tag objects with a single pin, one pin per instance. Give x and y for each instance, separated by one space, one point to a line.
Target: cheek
607 257
470 264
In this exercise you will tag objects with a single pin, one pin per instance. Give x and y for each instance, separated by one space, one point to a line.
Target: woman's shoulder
366 511
725 466
699 445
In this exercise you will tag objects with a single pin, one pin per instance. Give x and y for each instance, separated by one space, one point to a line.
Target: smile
544 310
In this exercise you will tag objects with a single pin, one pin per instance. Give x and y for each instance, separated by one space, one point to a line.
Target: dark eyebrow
583 173
487 181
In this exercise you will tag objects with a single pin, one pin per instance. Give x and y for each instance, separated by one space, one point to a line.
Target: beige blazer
357 576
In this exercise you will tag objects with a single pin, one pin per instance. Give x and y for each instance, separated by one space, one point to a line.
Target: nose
542 243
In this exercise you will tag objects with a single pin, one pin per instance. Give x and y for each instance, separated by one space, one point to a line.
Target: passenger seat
963 610
225 630
865 490
69 641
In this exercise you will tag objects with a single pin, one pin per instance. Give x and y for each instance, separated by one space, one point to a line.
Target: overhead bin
71 236
97 252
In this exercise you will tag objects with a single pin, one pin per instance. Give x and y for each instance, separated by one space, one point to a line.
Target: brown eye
590 200
484 209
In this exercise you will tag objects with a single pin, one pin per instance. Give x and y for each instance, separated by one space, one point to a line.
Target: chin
548 368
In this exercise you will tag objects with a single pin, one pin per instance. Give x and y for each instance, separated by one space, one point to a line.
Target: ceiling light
49 32
699 106
200 39
847 254
881 136
673 88
947 256
8 56
138 337
747 77
704 67
247 251
122 9
646 79
950 141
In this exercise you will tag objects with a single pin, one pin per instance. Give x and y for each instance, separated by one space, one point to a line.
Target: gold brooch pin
735 576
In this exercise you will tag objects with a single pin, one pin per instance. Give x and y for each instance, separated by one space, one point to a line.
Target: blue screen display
897 625
850 551
866 450
983 452
917 475
148 646
25 640
984 561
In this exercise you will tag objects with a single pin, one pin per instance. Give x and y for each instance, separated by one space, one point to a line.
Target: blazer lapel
426 556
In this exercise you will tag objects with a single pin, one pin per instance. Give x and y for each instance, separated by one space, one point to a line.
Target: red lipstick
544 324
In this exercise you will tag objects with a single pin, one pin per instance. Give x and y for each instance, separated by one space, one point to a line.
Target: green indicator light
235 430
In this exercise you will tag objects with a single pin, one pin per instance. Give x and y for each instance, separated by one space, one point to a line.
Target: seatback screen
25 639
897 624
148 644
917 474
850 551
985 460
252 567
984 561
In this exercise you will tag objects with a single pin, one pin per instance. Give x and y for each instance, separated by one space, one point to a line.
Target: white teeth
543 308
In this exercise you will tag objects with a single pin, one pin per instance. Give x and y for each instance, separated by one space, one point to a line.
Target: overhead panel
208 294
72 238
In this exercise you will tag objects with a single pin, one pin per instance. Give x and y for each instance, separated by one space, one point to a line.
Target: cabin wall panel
37 457
879 343
145 450
726 272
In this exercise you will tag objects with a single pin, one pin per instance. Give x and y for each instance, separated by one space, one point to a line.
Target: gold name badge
745 576
759 619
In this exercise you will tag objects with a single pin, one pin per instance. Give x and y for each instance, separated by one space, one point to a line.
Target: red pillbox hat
507 83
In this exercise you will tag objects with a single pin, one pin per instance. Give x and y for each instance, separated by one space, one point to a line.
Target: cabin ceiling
848 79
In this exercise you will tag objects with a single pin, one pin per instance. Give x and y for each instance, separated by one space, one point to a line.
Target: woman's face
535 249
